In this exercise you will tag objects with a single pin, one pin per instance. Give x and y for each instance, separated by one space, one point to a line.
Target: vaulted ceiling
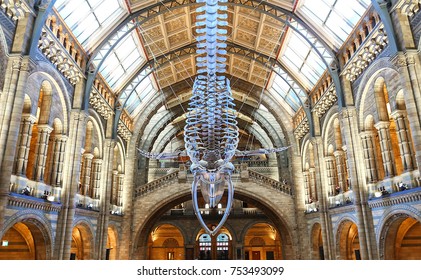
277 49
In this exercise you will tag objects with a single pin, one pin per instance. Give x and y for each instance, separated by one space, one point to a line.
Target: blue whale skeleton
211 134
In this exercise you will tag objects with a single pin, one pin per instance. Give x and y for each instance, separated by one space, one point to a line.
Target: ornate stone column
86 174
341 169
24 144
386 147
408 65
331 174
313 185
41 151
57 166
95 180
404 139
120 181
369 156
307 190
114 189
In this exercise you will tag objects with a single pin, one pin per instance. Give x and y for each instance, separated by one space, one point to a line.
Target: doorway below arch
166 243
23 241
262 242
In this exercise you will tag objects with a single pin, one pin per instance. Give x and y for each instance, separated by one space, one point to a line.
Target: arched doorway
111 250
81 243
403 239
348 241
166 243
179 211
217 247
24 241
317 252
262 242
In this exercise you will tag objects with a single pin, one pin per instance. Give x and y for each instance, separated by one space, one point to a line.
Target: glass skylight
123 61
88 18
335 17
301 58
291 93
139 96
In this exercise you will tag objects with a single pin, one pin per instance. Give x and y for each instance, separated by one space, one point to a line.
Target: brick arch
341 235
392 217
36 222
380 68
88 237
148 209
328 124
60 95
314 240
177 226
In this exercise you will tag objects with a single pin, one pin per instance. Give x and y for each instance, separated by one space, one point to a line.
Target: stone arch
27 105
83 239
94 123
390 218
38 224
44 72
166 242
328 123
113 241
170 242
346 232
381 98
4 56
169 197
380 68
184 234
316 241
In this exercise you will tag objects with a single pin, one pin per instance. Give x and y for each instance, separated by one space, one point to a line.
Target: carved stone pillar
386 148
86 174
307 190
95 179
369 156
313 185
404 139
331 174
120 181
114 189
58 160
41 151
341 169
24 144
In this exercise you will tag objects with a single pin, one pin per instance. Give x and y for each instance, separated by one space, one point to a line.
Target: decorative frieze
409 7
326 101
369 50
15 9
123 131
100 105
397 198
54 52
302 129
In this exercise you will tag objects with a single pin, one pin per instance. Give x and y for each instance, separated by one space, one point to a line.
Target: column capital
88 156
61 137
367 133
382 125
29 118
329 158
45 128
338 153
398 113
97 160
